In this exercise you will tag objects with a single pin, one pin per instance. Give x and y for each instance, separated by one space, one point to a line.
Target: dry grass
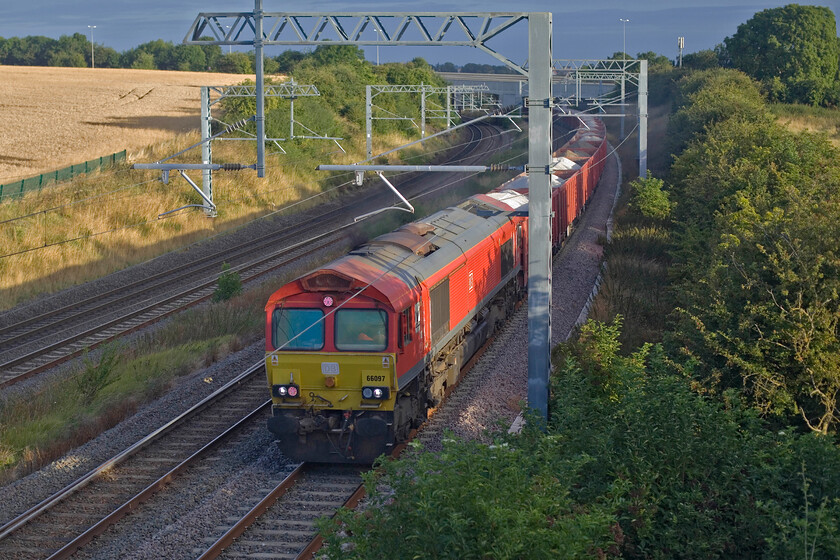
127 204
804 118
116 213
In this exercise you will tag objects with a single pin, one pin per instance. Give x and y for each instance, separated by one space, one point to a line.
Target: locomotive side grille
439 296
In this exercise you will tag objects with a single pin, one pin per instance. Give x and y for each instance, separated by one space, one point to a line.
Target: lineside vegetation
697 416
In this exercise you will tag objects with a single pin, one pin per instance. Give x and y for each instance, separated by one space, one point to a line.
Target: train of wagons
358 350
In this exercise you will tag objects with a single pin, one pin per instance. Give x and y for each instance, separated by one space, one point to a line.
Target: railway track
40 342
280 525
71 518
283 522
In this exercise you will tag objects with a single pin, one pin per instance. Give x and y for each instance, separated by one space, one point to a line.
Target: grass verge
800 118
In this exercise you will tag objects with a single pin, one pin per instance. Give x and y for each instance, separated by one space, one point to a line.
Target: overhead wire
284 208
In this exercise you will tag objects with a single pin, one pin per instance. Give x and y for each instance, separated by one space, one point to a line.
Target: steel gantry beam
259 28
619 72
286 90
468 29
426 91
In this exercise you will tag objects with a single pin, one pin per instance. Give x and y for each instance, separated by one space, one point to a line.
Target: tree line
75 51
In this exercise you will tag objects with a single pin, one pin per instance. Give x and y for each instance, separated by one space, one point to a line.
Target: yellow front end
332 407
332 381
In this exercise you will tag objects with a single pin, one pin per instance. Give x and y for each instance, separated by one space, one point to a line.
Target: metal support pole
643 114
448 106
291 118
539 210
206 152
623 103
368 123
259 37
423 111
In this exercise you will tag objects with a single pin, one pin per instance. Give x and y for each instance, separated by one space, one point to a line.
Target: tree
792 50
189 58
656 62
287 60
236 63
70 50
446 67
701 60
709 97
757 272
143 61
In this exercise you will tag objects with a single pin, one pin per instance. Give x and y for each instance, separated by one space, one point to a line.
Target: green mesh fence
19 188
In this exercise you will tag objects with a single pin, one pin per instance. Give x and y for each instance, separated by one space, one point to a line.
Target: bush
96 377
229 284
509 500
632 464
698 479
650 199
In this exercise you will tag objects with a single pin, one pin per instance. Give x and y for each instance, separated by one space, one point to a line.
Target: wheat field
55 117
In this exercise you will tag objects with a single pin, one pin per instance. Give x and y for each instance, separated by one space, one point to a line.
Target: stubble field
55 117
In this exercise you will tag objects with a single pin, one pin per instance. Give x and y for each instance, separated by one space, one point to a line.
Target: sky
590 29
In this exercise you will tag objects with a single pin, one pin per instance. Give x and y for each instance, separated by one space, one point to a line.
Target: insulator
498 167
236 125
231 167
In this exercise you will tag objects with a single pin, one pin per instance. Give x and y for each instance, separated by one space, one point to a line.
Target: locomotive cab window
406 328
361 329
298 329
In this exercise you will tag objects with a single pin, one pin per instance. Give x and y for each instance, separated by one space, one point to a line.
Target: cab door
409 339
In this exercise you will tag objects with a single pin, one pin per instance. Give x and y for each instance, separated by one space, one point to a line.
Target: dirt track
55 117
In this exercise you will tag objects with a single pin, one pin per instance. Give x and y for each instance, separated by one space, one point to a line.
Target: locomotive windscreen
361 329
298 329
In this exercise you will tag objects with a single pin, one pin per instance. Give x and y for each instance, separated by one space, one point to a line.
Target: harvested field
55 117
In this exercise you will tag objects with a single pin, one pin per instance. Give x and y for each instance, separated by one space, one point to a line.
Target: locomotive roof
393 265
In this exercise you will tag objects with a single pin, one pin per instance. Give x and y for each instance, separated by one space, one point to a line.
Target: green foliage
341 74
96 376
74 50
650 198
229 284
632 464
793 51
708 97
697 479
656 62
756 266
236 63
706 59
510 500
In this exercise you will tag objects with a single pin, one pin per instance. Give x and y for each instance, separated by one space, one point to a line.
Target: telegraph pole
91 27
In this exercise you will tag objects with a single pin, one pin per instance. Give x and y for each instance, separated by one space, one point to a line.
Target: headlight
375 393
286 391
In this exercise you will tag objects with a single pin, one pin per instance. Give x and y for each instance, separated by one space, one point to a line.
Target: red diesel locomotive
359 349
